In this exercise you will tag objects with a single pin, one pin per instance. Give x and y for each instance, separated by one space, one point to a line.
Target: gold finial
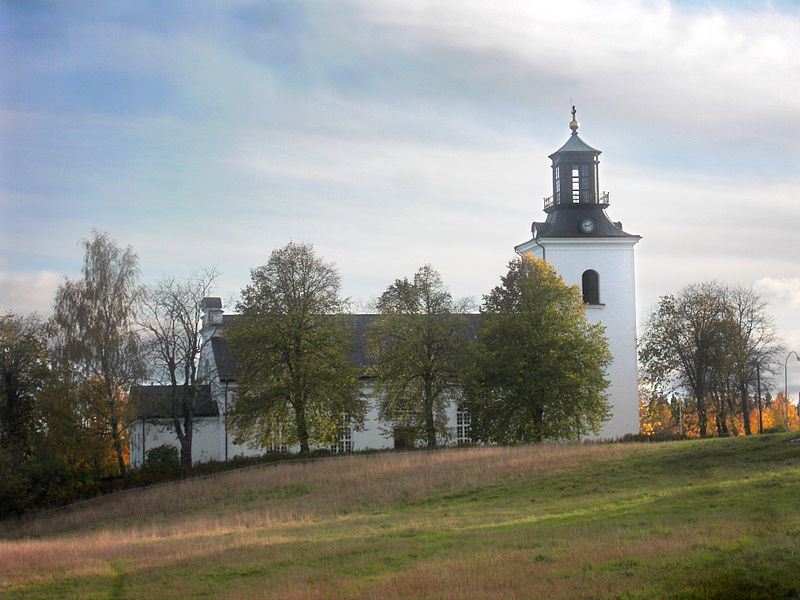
574 124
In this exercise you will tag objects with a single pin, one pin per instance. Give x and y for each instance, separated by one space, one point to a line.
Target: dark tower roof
574 144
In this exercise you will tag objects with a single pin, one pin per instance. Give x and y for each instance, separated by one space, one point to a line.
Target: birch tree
97 337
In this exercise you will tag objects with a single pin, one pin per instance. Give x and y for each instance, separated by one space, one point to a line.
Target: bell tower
589 250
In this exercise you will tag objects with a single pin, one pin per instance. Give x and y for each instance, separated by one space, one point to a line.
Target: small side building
154 425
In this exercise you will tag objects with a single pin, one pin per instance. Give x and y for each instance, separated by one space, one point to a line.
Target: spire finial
574 124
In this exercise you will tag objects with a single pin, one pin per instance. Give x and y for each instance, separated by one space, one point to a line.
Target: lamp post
786 383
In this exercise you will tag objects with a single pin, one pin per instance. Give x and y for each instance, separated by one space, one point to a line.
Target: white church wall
150 434
372 437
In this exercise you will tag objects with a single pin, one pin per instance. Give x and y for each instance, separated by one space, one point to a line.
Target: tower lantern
575 179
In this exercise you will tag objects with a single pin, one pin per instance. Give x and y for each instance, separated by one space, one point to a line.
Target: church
577 238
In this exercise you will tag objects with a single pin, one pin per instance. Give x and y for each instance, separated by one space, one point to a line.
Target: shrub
162 458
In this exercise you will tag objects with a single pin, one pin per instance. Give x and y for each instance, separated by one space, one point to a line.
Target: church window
463 423
558 186
576 189
586 195
591 287
345 437
277 444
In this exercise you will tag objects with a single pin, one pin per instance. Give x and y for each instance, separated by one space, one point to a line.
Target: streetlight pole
786 383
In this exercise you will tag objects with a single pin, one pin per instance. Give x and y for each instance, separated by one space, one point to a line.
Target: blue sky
391 133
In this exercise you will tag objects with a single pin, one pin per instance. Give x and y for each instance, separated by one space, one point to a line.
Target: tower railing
585 198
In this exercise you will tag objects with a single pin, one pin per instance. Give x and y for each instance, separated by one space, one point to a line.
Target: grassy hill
702 519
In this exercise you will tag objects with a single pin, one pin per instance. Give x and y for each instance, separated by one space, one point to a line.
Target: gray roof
212 302
223 359
565 223
358 324
575 144
153 402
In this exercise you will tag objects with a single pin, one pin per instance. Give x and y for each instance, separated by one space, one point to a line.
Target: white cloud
785 290
25 293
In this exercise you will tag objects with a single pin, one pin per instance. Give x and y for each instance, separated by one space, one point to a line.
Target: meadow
717 518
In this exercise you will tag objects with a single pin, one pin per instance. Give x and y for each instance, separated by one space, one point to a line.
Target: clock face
587 225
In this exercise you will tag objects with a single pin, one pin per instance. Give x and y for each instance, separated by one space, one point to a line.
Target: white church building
577 238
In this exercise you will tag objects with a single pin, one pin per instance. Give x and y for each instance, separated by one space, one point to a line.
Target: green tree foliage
295 379
97 338
46 456
419 345
24 372
172 313
539 367
708 341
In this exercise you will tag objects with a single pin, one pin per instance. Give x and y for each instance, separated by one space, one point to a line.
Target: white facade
613 260
212 440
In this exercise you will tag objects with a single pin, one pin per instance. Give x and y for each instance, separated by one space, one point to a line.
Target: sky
395 133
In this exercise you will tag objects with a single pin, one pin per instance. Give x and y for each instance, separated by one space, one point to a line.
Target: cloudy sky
391 133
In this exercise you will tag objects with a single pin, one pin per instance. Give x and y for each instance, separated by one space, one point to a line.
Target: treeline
709 349
673 417
533 369
64 404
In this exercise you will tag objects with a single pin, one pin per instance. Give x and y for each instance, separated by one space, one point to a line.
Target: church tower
589 250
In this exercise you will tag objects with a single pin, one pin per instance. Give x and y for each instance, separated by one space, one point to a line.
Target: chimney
212 312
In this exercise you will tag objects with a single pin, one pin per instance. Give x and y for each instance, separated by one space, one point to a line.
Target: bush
41 481
162 458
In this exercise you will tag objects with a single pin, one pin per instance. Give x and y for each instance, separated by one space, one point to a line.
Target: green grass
714 518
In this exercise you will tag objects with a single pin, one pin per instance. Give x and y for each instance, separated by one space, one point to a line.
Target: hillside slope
702 519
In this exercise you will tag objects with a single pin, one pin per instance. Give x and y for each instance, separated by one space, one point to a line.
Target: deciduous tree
295 379
680 344
97 337
24 371
708 341
419 345
751 342
172 314
539 369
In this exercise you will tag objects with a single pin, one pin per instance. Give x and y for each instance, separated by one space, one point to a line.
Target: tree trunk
537 411
188 426
702 418
745 409
186 447
302 426
118 447
758 391
430 426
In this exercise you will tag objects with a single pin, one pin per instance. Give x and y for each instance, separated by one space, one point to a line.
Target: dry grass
298 491
554 521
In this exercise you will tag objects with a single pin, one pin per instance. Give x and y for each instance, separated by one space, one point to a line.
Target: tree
710 340
295 379
172 314
539 370
419 345
751 342
95 320
24 371
681 341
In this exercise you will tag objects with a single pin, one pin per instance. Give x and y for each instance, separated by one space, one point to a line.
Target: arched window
591 287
